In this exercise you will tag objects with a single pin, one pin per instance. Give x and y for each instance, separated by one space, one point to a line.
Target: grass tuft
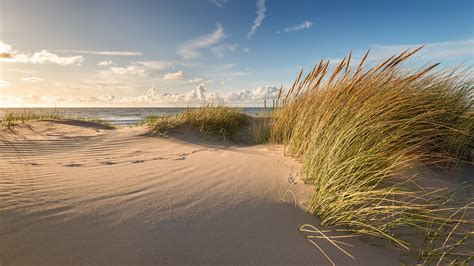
209 119
11 117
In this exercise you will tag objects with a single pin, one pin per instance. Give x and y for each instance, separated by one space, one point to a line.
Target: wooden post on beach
265 104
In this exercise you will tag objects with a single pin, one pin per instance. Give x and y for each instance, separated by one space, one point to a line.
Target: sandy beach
78 193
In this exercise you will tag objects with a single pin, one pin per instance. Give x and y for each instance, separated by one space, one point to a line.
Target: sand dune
78 193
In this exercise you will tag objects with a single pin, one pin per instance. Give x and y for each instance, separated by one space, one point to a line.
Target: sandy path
72 194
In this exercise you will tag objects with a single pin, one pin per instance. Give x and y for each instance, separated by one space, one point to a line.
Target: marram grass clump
13 117
355 129
210 119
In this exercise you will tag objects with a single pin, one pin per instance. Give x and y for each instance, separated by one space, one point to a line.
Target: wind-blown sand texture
73 192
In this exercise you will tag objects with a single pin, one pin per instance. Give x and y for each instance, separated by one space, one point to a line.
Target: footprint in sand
73 165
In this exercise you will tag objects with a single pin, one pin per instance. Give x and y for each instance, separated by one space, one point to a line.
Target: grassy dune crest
11 118
355 129
14 117
212 119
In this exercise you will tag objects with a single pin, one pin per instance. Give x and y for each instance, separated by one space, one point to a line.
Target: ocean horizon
120 115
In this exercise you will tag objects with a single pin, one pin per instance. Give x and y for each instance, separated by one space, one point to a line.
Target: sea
119 116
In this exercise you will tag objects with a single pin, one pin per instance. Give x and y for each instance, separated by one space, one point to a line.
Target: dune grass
14 117
259 129
355 129
208 119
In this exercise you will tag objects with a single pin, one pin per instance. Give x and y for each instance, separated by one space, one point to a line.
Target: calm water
120 116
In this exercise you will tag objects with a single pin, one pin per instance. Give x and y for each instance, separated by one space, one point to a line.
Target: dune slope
72 193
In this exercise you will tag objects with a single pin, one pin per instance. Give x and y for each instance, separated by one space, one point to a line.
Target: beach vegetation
209 119
356 130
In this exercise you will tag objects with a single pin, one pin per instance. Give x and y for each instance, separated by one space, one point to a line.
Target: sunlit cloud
174 76
158 64
125 71
305 25
259 93
191 49
6 51
197 93
258 19
9 55
111 53
106 63
45 57
32 79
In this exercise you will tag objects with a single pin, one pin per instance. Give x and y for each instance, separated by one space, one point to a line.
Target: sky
81 53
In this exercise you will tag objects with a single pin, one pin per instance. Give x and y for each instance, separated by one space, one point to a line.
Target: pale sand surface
70 193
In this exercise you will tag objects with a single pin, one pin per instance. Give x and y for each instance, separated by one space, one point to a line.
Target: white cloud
4 83
243 95
258 19
196 80
259 93
126 71
5 48
174 76
213 97
153 96
197 93
264 92
7 54
114 53
6 51
305 25
158 64
44 57
190 49
222 49
219 3
32 79
106 63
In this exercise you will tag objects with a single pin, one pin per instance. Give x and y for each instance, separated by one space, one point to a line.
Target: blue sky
175 53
